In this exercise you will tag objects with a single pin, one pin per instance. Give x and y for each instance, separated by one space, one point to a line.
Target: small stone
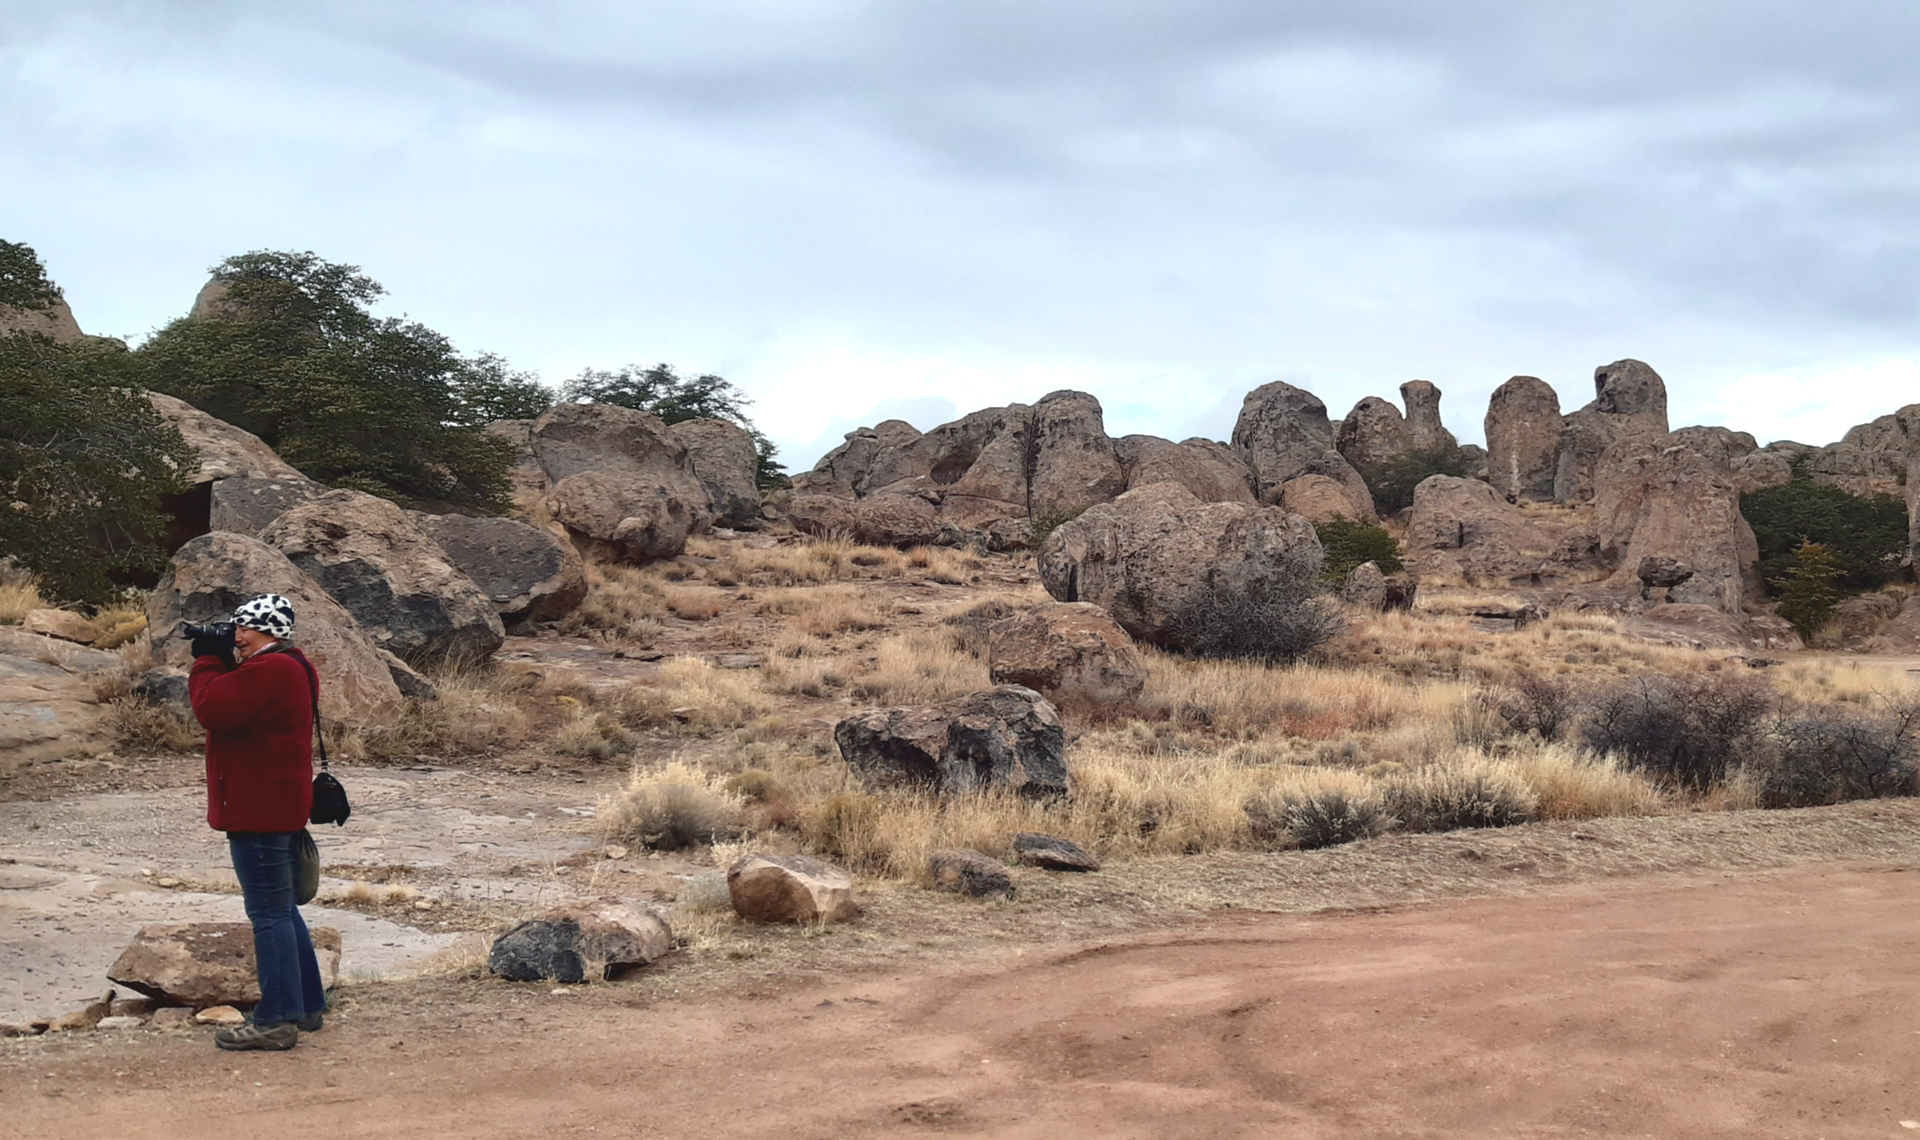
171 1017
615 851
790 888
970 873
423 904
1051 853
120 1023
220 1015
167 881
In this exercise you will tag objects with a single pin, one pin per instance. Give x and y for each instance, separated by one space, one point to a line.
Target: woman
255 694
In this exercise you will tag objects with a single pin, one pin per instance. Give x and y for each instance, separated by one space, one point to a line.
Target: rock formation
969 873
1068 650
1148 554
1630 399
50 701
527 573
55 321
1464 531
619 482
1672 496
396 580
1283 433
1523 439
726 461
1375 432
1210 470
580 942
1007 736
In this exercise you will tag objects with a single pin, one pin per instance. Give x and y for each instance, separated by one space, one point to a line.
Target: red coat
259 721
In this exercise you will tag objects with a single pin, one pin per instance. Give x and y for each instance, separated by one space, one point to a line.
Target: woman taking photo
255 694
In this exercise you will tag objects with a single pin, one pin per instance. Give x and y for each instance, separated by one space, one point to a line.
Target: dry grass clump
920 667
481 710
1570 784
1431 644
823 610
19 596
143 729
594 735
807 562
1472 791
671 808
692 695
946 566
1242 699
623 606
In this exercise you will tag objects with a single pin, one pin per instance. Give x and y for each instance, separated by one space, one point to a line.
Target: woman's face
247 642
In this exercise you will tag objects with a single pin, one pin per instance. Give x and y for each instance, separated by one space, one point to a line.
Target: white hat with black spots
271 614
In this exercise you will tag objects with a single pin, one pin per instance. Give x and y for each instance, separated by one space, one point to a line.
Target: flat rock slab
578 942
790 888
203 964
1050 853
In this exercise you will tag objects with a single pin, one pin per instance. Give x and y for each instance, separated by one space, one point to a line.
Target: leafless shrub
670 809
1537 705
1314 817
1461 794
1832 753
1280 617
1683 730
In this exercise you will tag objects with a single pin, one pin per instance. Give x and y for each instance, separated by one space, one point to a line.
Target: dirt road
1779 1005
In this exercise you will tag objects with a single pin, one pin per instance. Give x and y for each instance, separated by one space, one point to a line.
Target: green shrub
1350 543
1867 535
1808 593
676 398
1392 482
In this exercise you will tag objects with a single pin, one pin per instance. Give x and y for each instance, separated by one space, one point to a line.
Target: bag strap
313 687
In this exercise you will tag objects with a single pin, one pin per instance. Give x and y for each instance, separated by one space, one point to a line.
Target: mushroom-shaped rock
1067 650
726 460
1148 555
620 482
214 573
1008 736
527 573
595 940
395 579
1523 438
204 964
969 873
790 888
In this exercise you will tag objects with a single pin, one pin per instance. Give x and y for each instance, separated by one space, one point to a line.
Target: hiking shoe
250 1036
312 1023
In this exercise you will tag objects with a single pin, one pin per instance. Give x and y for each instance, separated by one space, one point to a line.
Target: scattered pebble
166 881
120 1023
220 1015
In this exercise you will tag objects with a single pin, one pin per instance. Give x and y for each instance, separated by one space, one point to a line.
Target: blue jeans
282 950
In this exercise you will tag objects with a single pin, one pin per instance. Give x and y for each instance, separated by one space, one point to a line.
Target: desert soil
1780 1003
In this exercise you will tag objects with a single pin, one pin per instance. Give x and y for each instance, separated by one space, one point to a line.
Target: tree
287 348
85 461
23 280
1393 481
1808 593
676 398
1867 535
1350 542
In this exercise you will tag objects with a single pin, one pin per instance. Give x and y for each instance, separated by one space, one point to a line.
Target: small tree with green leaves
1349 543
1393 481
1865 534
23 279
663 392
1808 593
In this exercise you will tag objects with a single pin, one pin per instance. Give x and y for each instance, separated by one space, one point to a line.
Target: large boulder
527 573
1630 400
226 452
248 505
204 964
790 888
391 575
578 942
1366 588
1673 496
1464 531
1425 431
1282 433
1008 736
1322 498
1373 433
1146 556
1067 650
1212 471
1074 465
50 697
1523 438
216 572
727 462
526 477
870 458
620 483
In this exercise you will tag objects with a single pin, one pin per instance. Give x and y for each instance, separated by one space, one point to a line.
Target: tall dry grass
19 596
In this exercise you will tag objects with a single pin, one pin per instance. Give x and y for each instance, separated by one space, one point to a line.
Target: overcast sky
858 209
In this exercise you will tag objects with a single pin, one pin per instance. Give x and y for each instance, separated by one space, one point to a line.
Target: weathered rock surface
55 320
1068 650
1630 400
526 477
226 452
1321 498
1374 432
969 873
1282 433
790 888
87 1017
62 624
49 705
620 482
1871 459
1148 554
726 461
203 964
395 579
1902 633
1462 530
1424 428
216 572
1051 853
1366 588
243 505
1008 736
1211 471
525 572
1523 438
1861 619
870 459
1074 465
593 940
1672 496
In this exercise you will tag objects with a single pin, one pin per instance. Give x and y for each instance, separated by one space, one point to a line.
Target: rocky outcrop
249 505
527 479
619 482
869 459
1873 458
579 942
1150 553
1672 496
969 873
1074 466
1425 431
1321 498
216 572
1283 433
726 461
1068 651
1375 432
526 573
62 624
396 580
1210 470
1523 438
1630 400
1464 531
50 701
205 964
54 320
790 888
226 452
1008 736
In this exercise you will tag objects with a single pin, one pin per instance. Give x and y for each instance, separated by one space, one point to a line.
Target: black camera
216 630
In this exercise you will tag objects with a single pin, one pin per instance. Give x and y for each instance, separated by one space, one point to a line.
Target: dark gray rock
160 687
527 573
969 873
1051 853
249 506
595 940
1008 736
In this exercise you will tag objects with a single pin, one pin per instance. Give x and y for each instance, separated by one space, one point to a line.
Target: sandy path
1781 1005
